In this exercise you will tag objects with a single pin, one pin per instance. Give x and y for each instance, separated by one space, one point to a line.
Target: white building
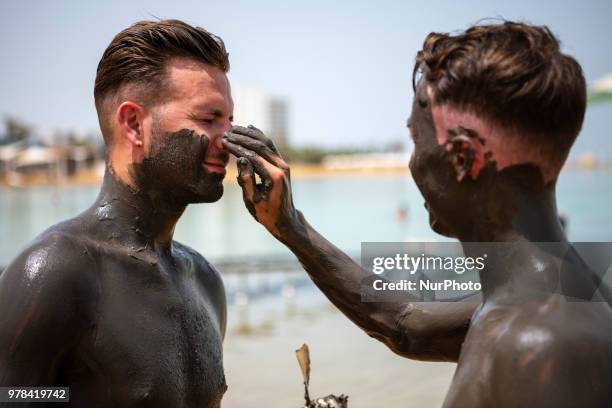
254 106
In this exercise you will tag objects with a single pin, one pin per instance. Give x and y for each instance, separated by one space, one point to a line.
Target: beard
174 170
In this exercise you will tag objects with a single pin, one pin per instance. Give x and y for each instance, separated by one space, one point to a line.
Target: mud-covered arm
46 297
432 331
425 331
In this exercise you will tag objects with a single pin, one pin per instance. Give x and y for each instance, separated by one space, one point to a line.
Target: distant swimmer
401 214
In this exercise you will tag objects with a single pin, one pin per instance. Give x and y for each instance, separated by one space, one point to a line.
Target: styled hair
511 74
138 56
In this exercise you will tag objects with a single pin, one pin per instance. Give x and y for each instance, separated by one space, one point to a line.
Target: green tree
16 130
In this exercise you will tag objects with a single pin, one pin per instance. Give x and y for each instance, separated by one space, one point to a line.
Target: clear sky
344 66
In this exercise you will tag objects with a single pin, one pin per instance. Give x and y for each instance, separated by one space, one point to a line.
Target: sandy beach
262 369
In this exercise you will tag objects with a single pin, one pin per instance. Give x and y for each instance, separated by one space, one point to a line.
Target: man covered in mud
107 303
495 113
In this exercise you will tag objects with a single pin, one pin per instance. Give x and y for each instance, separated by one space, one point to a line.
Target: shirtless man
107 303
493 118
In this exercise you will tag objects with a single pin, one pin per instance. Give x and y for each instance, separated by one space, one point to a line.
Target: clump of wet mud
331 401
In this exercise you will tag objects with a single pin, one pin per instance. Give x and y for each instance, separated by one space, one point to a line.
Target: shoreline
299 171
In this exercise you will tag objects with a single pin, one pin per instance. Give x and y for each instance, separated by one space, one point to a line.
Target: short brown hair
512 74
138 55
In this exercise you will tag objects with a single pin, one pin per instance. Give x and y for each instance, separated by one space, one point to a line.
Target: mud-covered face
176 167
185 160
432 170
464 203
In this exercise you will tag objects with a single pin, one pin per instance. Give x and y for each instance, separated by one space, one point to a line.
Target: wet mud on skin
341 279
458 145
481 209
523 339
174 169
251 147
522 343
129 317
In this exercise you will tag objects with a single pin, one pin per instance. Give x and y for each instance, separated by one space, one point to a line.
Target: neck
133 217
520 270
533 217
536 217
511 205
522 252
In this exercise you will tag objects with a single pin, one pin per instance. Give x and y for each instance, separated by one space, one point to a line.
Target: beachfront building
269 113
8 152
25 161
35 159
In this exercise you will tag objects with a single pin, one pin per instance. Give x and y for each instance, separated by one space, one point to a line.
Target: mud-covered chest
159 346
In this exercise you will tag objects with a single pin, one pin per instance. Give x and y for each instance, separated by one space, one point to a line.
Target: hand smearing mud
269 200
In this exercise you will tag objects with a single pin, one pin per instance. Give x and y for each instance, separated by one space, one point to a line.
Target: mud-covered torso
552 353
157 339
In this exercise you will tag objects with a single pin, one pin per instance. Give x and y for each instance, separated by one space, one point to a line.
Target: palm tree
16 130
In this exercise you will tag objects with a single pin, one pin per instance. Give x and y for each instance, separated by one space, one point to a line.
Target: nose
216 144
217 139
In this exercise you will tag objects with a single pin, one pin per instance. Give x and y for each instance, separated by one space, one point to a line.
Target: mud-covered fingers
259 164
246 178
255 133
261 136
267 172
258 147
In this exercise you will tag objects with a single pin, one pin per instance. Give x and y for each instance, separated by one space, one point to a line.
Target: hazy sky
344 66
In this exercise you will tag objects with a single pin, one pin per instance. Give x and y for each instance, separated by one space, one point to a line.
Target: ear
130 117
462 153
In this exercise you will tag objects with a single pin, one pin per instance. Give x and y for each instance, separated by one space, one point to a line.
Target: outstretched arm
424 331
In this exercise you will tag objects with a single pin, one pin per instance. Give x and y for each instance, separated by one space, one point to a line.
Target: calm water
347 210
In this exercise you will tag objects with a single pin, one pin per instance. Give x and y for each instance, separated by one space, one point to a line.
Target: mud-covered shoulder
204 269
56 266
47 298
